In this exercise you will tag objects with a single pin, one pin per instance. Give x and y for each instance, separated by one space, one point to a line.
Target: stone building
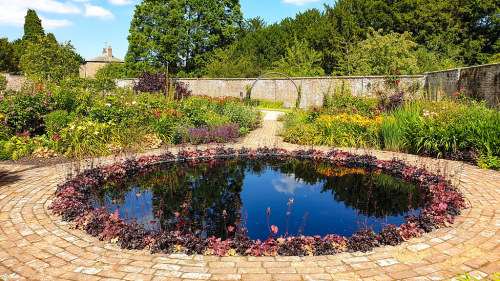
89 68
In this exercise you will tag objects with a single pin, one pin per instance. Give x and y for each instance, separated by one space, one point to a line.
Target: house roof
105 58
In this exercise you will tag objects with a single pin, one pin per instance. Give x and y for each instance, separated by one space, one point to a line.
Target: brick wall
483 81
283 89
89 69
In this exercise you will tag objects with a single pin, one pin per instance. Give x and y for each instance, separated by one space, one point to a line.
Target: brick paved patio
36 245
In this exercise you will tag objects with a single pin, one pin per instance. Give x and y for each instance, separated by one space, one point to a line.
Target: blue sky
91 25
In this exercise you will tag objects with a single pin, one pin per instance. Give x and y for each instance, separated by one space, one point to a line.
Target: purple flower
12 113
29 108
12 106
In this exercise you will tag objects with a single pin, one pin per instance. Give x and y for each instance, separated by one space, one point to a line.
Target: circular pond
257 202
262 197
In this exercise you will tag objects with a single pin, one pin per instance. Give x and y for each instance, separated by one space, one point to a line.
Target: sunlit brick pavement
36 245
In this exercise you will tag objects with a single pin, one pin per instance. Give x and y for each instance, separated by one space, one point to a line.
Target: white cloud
287 184
96 11
81 0
49 24
299 2
12 13
121 2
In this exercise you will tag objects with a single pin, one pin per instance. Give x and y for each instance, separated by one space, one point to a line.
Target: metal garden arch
271 73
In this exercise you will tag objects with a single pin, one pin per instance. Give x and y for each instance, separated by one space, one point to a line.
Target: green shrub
68 98
4 130
56 121
3 82
489 162
85 138
242 115
301 134
22 145
5 152
26 111
341 98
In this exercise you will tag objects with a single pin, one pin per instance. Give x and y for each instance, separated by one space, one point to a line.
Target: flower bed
73 204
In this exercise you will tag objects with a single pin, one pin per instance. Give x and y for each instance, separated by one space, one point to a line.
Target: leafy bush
56 121
165 124
244 116
23 145
85 138
26 111
301 134
347 130
159 83
4 130
340 98
3 82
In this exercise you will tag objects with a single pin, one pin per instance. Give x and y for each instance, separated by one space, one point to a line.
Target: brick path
36 245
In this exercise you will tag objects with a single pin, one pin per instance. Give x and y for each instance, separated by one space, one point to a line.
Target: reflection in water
287 184
216 196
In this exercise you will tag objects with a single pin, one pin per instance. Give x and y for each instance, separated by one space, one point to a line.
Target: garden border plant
72 202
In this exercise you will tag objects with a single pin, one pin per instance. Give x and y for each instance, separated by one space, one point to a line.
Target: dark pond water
234 193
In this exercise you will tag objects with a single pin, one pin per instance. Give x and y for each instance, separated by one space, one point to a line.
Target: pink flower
12 106
398 81
231 228
177 214
158 115
274 229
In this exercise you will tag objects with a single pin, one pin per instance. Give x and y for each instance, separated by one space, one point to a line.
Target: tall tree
47 60
8 58
32 27
180 34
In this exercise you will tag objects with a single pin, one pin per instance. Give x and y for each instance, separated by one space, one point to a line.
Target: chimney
104 51
110 52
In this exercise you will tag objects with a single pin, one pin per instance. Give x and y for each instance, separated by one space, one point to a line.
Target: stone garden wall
312 88
483 81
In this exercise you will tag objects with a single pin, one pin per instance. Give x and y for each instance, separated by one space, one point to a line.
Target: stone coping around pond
37 245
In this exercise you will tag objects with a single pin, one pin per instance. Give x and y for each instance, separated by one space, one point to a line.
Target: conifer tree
33 29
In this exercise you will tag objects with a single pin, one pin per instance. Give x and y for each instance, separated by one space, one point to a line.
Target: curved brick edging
36 245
